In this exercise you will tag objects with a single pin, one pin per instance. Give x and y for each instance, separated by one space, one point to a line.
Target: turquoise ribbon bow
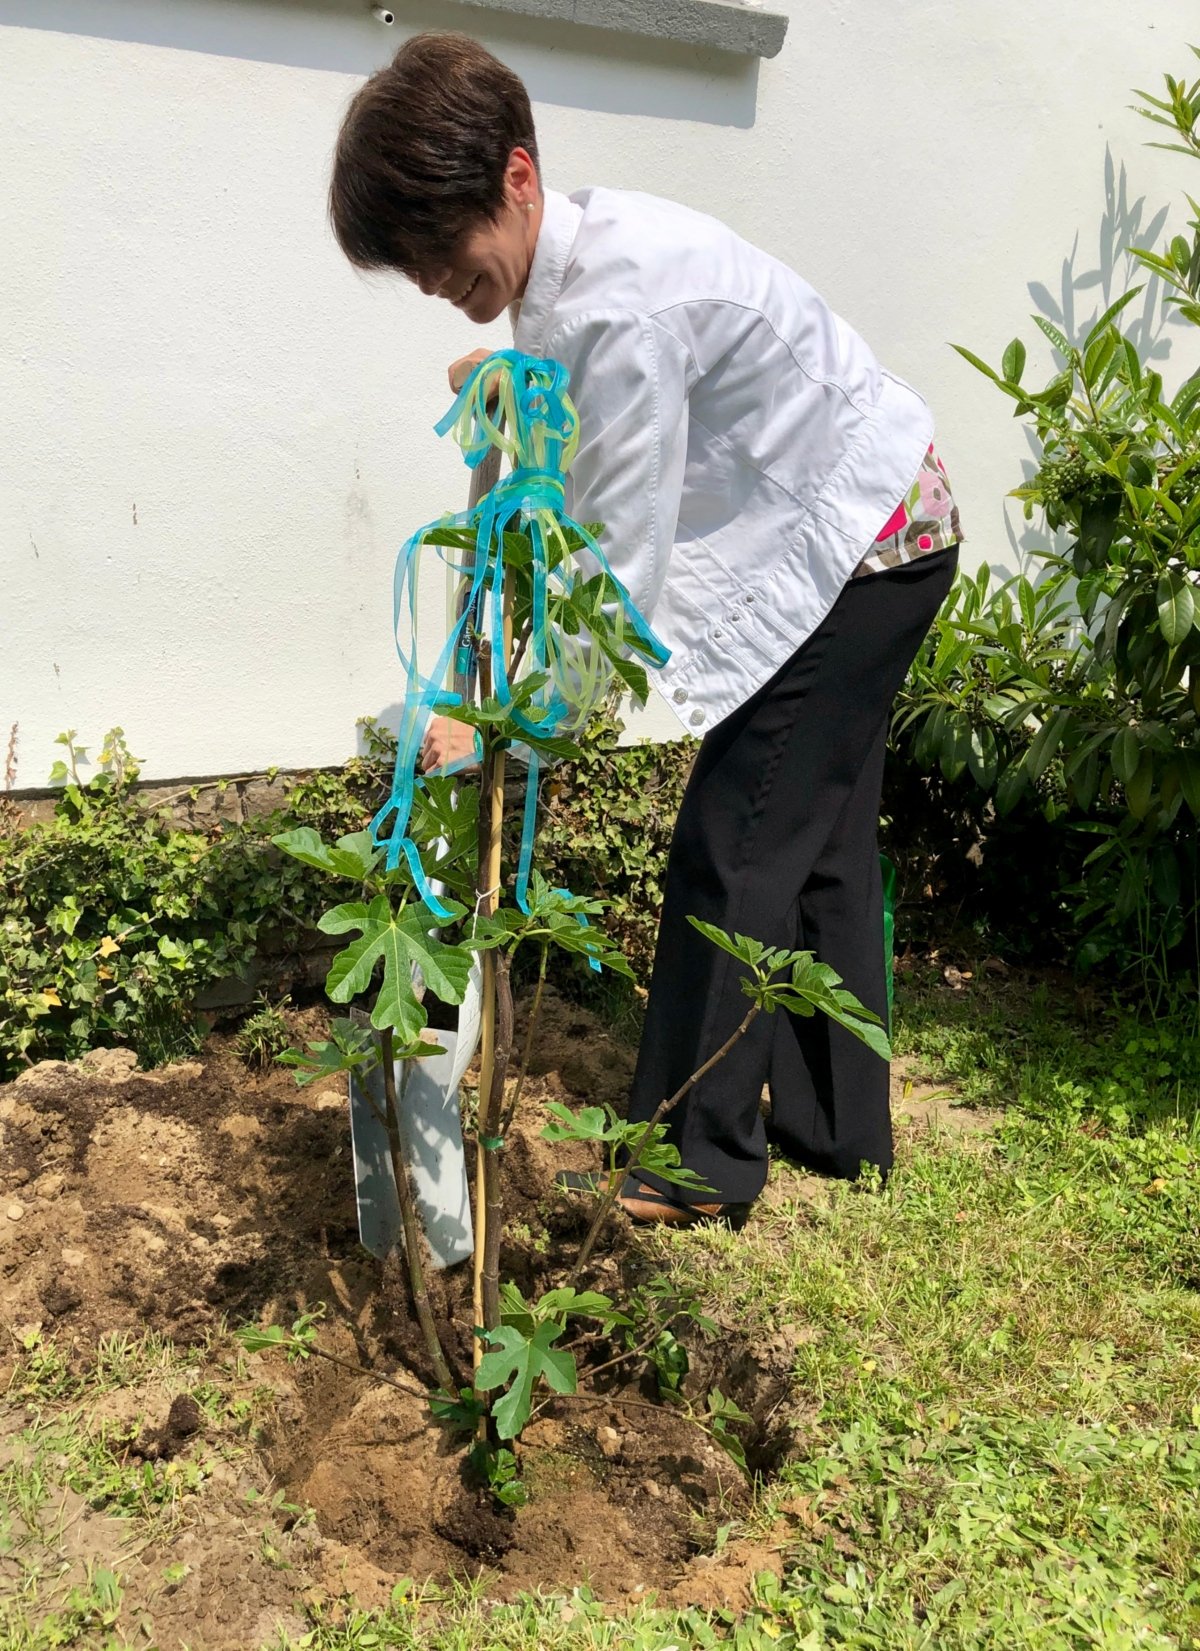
518 403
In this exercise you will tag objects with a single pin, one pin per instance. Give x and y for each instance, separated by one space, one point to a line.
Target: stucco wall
213 435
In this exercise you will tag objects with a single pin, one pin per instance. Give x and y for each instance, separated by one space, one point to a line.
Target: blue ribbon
536 426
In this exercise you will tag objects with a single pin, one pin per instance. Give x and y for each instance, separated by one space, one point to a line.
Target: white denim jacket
740 443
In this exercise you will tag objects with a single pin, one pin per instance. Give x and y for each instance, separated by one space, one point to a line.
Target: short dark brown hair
422 153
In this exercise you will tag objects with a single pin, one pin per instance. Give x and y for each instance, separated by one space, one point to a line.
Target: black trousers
777 838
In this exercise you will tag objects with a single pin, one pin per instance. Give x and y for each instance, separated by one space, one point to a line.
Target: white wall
213 435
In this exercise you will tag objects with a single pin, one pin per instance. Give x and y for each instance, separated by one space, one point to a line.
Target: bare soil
201 1196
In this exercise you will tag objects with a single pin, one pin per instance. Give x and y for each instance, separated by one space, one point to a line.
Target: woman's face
489 267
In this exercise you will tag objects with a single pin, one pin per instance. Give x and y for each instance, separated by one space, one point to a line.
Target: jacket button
717 635
679 695
696 718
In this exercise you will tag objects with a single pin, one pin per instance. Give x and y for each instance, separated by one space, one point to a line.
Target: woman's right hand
446 741
461 370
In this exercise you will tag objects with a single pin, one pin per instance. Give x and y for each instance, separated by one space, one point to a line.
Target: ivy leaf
520 1361
402 942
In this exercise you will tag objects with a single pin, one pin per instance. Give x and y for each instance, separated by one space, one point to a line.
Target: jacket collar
560 223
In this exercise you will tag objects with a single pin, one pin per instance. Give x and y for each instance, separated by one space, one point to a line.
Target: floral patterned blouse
926 520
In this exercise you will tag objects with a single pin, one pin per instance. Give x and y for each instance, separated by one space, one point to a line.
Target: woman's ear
522 186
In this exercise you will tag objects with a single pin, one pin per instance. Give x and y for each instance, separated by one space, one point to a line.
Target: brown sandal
648 1207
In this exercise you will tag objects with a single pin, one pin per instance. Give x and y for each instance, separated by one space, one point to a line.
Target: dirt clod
184 1420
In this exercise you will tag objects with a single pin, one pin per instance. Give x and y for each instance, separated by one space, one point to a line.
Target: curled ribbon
519 404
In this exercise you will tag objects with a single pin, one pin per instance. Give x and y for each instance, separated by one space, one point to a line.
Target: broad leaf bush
1079 690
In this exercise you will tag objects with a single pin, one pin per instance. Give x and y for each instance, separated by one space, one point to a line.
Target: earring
529 206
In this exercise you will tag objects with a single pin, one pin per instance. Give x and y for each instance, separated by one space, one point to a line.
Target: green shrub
113 919
1080 694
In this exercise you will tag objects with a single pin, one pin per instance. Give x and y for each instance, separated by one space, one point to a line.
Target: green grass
41 1604
996 1360
57 1461
1001 1353
1056 1050
465 1619
87 1618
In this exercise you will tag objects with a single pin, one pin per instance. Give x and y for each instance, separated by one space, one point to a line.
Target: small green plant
264 1036
432 896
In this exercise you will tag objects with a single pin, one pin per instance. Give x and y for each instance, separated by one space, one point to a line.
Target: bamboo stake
496 1030
483 478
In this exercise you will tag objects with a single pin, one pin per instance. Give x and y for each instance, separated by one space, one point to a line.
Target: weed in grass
87 1617
42 1374
46 1375
97 1464
24 1492
244 1412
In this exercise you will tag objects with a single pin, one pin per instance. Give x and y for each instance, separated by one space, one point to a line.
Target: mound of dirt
201 1195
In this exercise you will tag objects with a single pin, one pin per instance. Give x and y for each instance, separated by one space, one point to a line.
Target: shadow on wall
1086 288
564 64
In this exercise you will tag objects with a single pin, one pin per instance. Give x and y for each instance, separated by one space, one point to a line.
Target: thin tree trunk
487 1054
612 1191
491 1134
408 1219
510 1111
497 1033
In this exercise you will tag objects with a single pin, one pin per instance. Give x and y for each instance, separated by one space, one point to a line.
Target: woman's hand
446 741
461 370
